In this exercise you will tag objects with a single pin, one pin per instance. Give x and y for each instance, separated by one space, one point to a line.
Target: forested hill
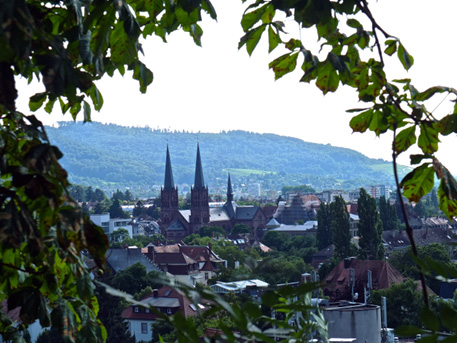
111 155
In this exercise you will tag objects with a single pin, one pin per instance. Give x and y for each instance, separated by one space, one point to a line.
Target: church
177 224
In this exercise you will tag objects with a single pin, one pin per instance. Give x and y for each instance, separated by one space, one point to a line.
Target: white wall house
110 225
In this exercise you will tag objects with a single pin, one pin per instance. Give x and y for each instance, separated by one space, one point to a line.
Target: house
188 264
177 224
308 228
292 212
110 225
253 287
322 256
338 284
167 301
122 258
396 239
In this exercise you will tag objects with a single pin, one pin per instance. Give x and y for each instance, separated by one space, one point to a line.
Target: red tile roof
336 284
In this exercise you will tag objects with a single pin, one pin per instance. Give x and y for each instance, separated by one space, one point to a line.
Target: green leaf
36 101
50 104
405 139
273 39
96 97
250 19
418 182
251 39
379 122
123 49
406 59
87 111
361 122
84 47
144 75
353 23
428 138
327 78
447 191
427 94
391 46
449 318
416 159
284 64
408 331
448 124
429 319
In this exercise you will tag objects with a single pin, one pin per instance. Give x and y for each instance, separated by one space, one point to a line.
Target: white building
110 225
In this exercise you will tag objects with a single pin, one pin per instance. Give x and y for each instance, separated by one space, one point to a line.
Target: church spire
169 183
229 190
199 181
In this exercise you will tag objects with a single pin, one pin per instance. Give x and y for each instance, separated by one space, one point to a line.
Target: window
206 276
168 310
135 309
146 310
144 327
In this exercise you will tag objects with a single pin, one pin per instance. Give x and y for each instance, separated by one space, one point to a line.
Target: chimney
155 293
210 248
151 252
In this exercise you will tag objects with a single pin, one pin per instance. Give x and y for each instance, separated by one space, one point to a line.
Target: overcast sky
217 87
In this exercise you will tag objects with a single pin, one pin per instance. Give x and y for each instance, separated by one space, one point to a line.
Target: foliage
116 211
134 279
276 240
240 229
210 231
82 193
297 189
324 229
111 308
117 237
340 228
369 228
43 234
388 215
435 255
281 269
404 303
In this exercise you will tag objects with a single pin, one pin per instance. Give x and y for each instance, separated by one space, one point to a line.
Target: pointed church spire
199 181
229 190
169 182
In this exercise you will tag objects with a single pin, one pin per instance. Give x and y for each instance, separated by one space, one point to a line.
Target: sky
217 87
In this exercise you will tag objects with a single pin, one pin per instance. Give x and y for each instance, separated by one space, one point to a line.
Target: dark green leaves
405 139
327 79
447 191
284 64
428 138
251 39
418 182
406 59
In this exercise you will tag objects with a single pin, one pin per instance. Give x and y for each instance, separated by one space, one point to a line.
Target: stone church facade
177 224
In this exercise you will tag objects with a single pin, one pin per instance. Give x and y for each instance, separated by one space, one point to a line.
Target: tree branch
409 230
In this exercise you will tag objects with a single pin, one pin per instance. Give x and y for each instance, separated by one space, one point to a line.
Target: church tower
199 200
169 195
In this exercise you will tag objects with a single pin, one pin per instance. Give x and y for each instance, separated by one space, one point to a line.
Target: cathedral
177 224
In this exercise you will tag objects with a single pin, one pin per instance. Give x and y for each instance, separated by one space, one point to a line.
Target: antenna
352 281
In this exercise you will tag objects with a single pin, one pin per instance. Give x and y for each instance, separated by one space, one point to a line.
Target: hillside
110 156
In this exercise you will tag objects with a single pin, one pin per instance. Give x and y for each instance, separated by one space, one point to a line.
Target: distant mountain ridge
108 155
